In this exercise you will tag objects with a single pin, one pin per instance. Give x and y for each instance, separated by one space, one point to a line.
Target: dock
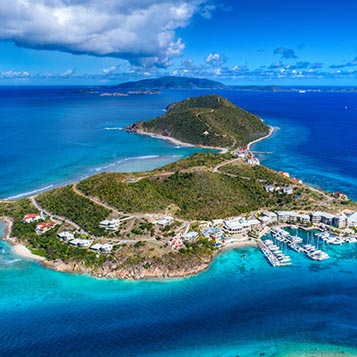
273 253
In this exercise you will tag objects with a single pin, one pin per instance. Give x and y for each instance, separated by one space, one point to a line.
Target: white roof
65 234
287 213
352 216
252 222
191 234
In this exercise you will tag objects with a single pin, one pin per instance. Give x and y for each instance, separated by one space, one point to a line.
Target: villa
103 248
44 227
31 217
81 243
112 225
165 221
288 190
66 236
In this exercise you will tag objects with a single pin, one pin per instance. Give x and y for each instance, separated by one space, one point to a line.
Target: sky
260 42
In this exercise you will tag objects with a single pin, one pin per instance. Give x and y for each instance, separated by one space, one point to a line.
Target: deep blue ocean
239 307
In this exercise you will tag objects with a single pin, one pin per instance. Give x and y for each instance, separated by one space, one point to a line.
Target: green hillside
208 120
171 82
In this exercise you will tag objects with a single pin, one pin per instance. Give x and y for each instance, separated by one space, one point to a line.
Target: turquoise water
239 307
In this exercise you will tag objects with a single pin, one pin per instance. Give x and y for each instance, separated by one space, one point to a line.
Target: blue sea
239 306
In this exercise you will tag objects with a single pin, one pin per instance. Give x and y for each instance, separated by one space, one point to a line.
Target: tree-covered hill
209 120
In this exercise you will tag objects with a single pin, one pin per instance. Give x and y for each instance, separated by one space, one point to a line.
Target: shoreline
178 142
271 131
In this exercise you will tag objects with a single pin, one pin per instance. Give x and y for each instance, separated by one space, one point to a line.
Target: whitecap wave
113 128
9 261
30 193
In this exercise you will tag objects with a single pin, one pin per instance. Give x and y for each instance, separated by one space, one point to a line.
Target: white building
111 225
288 190
352 219
287 216
66 236
269 188
190 236
104 248
81 243
165 221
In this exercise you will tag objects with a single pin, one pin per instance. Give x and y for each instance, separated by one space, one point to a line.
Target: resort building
304 218
190 236
340 221
103 248
352 219
66 236
165 221
31 217
287 216
81 243
44 227
238 227
111 225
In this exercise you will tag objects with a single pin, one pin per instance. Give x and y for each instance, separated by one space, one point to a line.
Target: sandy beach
271 131
22 251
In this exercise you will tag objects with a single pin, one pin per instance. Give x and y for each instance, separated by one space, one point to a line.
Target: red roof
31 215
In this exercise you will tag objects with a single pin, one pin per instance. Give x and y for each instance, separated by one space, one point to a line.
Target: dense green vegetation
200 194
209 120
170 82
47 245
208 160
258 173
64 202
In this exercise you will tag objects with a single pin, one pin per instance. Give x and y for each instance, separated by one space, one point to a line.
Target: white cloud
141 31
216 59
109 70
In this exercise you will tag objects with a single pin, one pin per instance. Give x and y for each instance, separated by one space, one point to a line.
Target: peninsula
172 221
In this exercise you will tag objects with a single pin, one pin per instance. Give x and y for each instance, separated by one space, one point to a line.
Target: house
165 221
103 248
241 152
284 173
253 161
66 236
112 225
31 217
269 188
81 243
253 223
190 236
316 217
288 190
352 219
44 227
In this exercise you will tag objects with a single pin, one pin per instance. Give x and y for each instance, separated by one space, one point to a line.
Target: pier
273 253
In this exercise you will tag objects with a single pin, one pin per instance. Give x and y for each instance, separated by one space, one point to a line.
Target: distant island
170 82
209 120
172 221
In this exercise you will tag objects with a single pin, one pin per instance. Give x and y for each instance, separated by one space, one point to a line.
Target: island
209 121
170 83
172 221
